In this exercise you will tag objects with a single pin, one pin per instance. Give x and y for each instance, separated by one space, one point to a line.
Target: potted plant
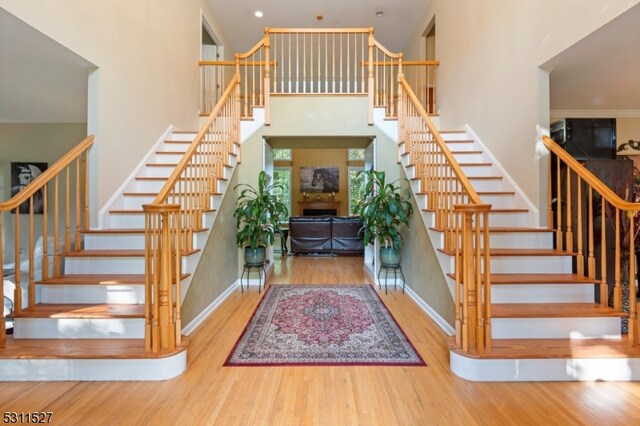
384 210
258 212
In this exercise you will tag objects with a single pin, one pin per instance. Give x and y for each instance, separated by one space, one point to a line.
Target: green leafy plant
258 213
384 210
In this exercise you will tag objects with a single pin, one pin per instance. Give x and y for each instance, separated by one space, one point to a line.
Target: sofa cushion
346 237
310 234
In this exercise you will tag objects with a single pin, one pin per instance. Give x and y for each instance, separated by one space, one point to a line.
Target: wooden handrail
46 176
233 63
386 51
318 30
589 178
184 161
466 184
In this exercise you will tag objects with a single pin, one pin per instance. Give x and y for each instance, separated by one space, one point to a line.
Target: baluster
591 262
17 293
633 318
31 287
3 332
580 257
559 239
569 233
267 83
371 86
486 257
617 289
604 287
458 280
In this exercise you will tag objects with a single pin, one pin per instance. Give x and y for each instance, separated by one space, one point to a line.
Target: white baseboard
199 319
444 325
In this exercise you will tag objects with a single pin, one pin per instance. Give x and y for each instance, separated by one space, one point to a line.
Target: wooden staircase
545 322
94 309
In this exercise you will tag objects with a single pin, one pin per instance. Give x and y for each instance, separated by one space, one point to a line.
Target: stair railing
602 228
177 213
318 61
459 213
55 202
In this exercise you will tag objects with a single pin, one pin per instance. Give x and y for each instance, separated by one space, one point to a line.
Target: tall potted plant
384 210
258 212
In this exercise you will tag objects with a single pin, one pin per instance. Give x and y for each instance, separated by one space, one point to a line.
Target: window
282 175
356 187
356 154
280 154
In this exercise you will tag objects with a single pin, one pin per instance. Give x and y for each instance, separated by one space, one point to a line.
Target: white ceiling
601 71
402 18
41 80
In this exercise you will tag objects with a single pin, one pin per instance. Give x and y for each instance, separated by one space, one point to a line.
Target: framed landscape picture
320 179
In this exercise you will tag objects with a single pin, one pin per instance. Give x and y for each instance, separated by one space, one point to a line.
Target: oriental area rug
322 325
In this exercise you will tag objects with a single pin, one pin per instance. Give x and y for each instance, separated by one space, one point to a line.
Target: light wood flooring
211 394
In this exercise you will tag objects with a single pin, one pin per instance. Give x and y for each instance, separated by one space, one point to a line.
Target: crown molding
595 113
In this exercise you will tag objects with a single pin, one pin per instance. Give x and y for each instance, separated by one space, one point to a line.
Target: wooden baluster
45 232
486 257
458 280
469 297
85 171
267 82
477 269
550 194
67 212
617 289
3 331
604 287
78 207
633 318
178 276
569 233
559 238
370 85
56 227
591 262
580 257
149 276
31 287
17 293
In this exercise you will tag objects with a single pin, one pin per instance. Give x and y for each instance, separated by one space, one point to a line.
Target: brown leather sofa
326 234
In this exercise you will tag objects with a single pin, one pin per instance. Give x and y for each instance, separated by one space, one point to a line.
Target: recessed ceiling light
258 14
379 14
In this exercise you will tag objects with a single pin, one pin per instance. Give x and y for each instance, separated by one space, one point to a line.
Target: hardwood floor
211 394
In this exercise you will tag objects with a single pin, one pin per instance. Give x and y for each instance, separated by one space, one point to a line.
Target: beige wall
628 128
146 55
216 270
489 52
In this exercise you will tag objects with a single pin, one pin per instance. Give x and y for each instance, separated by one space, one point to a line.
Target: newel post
160 271
400 107
371 84
267 78
473 270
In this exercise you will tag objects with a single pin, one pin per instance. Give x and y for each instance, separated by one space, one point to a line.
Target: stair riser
178 147
462 146
124 294
104 265
555 328
542 293
534 240
182 136
517 219
153 186
78 328
133 202
130 241
530 264
454 136
127 220
470 158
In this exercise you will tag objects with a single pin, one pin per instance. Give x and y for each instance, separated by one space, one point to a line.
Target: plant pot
389 256
255 256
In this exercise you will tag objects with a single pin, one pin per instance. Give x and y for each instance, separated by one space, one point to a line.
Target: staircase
545 324
89 322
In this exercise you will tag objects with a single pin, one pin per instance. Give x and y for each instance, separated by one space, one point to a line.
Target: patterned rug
322 325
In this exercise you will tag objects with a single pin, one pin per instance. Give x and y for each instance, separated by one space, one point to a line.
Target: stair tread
521 252
114 253
552 310
493 210
77 310
506 229
510 193
97 279
498 279
83 349
557 348
164 178
468 177
176 164
126 230
153 194
140 211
